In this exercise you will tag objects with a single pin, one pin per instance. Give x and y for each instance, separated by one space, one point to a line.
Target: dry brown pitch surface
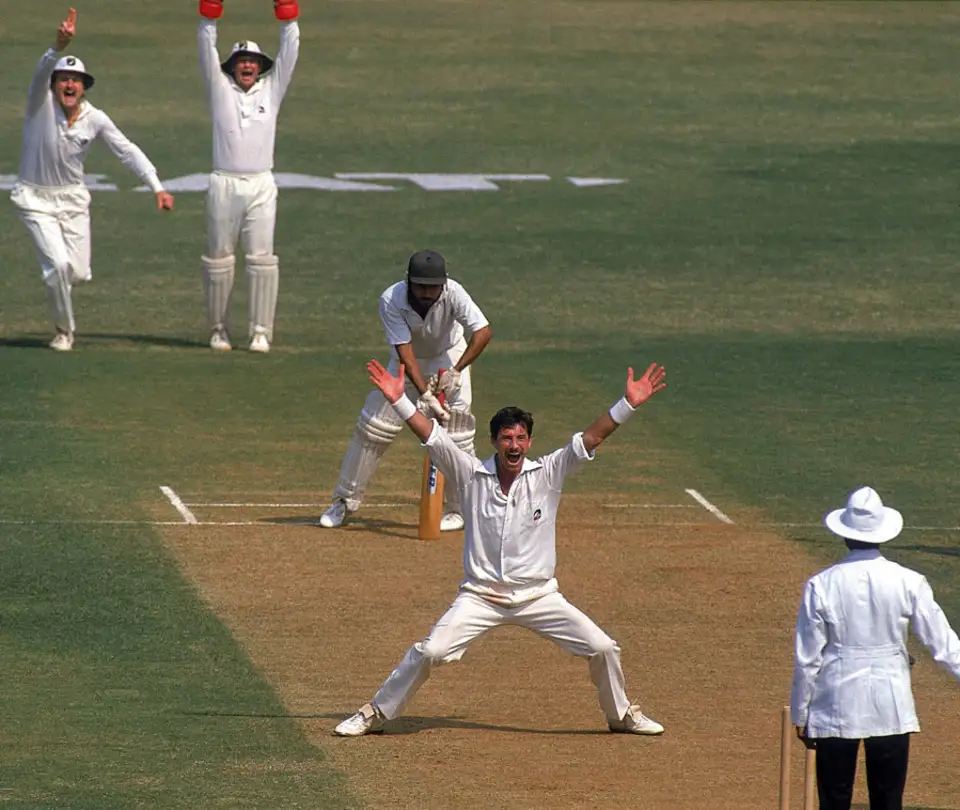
703 614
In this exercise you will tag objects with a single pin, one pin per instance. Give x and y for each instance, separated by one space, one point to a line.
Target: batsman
431 323
509 552
244 94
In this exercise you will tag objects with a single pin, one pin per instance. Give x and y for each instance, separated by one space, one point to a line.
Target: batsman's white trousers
241 207
363 455
470 616
58 221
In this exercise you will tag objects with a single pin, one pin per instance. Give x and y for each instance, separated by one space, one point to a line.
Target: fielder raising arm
59 128
636 393
244 94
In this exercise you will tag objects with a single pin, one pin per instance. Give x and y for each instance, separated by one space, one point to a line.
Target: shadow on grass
388 528
407 724
84 338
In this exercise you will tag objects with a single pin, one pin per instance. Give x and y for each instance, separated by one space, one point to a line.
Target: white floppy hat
246 48
70 64
865 518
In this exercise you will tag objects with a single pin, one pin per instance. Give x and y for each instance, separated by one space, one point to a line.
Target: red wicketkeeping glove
286 9
211 9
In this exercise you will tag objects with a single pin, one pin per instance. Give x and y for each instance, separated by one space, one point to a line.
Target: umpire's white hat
246 48
70 64
865 518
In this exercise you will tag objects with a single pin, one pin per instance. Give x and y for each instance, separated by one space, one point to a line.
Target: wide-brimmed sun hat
865 518
246 48
70 64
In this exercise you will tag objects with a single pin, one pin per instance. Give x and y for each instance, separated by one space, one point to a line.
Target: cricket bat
431 498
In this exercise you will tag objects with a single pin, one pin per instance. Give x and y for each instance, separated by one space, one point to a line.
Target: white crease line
708 506
647 506
289 505
179 505
81 522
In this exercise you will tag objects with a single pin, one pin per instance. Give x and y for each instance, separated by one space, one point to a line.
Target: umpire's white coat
851 676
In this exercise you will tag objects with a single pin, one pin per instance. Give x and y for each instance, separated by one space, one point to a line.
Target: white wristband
404 408
621 411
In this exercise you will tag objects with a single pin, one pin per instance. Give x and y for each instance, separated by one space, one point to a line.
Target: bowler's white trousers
58 221
470 616
241 207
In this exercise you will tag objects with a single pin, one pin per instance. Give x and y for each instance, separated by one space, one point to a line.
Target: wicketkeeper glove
211 9
286 9
431 407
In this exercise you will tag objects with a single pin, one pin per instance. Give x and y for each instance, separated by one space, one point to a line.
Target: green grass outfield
785 242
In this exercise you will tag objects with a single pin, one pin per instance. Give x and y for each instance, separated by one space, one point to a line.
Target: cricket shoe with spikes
451 522
337 513
366 721
62 342
260 342
219 341
636 722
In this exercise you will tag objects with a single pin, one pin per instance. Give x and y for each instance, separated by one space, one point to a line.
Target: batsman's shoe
451 522
260 342
219 341
636 722
366 721
62 342
335 515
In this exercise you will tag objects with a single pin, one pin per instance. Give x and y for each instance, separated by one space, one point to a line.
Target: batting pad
59 299
217 286
374 433
264 275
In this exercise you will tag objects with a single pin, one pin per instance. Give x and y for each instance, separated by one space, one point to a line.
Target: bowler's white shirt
851 677
451 314
509 543
53 151
245 124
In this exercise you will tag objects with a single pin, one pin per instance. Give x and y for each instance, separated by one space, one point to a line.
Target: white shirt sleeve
466 312
128 152
560 463
286 60
456 465
810 638
213 75
40 83
932 628
396 328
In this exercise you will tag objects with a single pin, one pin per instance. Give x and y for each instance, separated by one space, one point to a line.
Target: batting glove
430 407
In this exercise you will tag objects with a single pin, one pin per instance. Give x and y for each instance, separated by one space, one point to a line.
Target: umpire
851 677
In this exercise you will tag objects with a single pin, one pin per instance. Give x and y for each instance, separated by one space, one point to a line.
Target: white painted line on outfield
708 506
179 505
289 505
648 506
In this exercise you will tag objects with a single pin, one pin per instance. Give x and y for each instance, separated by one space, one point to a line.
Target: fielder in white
426 318
59 128
851 676
244 94
509 554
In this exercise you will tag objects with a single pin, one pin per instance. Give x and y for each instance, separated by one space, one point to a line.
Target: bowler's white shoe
451 522
260 343
335 515
636 722
62 342
219 341
366 721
